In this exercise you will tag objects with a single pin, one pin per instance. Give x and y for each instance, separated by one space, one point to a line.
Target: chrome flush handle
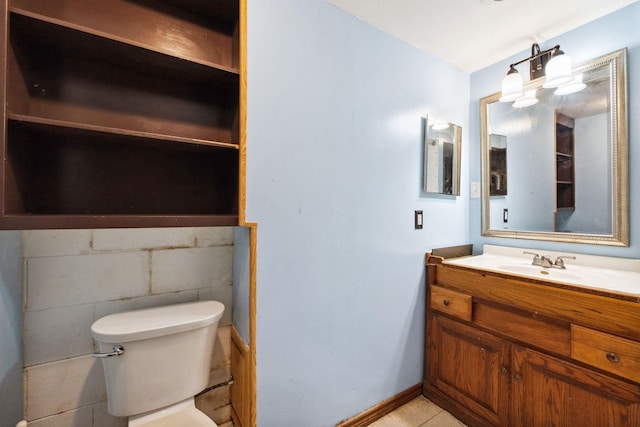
118 350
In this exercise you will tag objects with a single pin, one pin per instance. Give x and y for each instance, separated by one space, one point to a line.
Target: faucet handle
560 261
536 257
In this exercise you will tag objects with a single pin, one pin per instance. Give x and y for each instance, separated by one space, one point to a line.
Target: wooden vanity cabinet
120 113
456 349
547 391
520 358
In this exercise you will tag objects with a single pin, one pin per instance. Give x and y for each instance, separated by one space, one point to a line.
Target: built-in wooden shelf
197 33
121 113
43 122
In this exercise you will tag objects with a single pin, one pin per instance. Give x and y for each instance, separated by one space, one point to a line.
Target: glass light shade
527 100
573 86
558 71
511 87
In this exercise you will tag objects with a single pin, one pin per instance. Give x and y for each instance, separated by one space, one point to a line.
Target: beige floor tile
420 412
443 419
415 413
385 421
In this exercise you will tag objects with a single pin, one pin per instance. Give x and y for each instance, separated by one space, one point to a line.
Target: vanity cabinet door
469 366
551 392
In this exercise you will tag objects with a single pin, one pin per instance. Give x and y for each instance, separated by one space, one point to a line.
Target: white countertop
620 275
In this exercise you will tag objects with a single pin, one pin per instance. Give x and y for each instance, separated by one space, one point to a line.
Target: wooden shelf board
116 131
121 39
17 222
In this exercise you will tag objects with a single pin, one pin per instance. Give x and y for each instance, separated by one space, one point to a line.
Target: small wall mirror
567 160
442 142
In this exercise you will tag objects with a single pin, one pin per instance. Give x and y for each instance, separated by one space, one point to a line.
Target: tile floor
420 412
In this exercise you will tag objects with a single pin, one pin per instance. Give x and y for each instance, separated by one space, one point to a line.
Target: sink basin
620 275
537 271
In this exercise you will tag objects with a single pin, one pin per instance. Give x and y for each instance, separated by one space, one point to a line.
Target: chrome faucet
545 261
560 263
540 260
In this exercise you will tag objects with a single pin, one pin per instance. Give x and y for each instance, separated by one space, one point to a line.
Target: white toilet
155 360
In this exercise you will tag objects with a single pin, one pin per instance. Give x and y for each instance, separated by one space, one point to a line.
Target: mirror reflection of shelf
565 165
498 165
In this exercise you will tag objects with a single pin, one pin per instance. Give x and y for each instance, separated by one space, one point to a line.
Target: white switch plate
475 190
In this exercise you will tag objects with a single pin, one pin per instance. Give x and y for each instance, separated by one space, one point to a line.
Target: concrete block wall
74 277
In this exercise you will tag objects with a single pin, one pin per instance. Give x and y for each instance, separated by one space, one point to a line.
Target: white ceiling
472 34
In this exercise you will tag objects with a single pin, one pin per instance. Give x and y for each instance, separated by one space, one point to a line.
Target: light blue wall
334 161
241 281
605 35
10 328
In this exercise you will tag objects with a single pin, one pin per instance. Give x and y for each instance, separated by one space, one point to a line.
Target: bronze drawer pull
612 357
446 302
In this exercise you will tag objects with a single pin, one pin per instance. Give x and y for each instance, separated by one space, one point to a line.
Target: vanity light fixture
552 63
558 69
573 86
528 99
511 86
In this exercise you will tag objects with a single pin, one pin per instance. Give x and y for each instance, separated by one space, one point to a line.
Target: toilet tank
167 354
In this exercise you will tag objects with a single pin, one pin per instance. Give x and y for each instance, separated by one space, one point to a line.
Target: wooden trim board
383 408
241 372
242 121
453 251
249 397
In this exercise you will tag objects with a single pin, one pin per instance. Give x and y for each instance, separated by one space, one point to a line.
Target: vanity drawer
614 354
451 302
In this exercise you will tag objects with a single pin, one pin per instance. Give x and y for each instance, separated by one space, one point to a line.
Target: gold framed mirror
567 157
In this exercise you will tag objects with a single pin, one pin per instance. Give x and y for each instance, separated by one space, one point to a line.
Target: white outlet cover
475 190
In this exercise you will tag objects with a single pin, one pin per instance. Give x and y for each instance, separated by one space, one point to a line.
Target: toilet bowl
156 359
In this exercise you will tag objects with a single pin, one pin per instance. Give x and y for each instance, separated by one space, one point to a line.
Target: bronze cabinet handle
612 357
446 302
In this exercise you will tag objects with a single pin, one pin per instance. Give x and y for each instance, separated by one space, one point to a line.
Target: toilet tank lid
156 321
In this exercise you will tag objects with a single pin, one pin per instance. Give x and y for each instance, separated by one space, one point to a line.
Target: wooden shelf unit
121 114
